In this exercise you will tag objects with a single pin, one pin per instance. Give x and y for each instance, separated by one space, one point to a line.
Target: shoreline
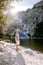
25 56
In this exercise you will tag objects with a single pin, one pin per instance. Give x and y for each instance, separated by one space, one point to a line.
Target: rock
32 17
38 5
25 20
9 56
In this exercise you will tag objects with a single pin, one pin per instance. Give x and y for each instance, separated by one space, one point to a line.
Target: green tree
3 6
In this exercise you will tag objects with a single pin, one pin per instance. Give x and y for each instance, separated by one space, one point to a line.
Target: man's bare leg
17 47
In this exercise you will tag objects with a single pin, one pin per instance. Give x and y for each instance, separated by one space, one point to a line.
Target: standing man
17 40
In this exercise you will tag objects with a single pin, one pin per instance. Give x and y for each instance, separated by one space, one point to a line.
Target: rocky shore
9 56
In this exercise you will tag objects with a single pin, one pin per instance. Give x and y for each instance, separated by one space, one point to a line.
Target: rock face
32 17
9 56
39 5
27 20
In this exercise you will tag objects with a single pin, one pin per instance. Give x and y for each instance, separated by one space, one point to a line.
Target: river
35 44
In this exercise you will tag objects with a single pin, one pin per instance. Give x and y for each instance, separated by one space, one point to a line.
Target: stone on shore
9 56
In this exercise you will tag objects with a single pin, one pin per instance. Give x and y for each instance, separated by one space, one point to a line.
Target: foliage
3 6
2 20
6 2
1 35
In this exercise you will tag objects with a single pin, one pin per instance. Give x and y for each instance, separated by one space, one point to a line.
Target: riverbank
25 56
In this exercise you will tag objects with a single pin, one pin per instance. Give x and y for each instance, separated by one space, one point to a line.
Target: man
17 40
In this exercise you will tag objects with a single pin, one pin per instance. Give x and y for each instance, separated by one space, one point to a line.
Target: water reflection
36 44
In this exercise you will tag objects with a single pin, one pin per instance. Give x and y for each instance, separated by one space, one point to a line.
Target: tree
3 6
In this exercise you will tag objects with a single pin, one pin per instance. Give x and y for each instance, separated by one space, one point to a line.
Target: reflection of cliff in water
35 44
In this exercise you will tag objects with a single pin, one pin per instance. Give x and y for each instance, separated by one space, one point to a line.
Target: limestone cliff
27 20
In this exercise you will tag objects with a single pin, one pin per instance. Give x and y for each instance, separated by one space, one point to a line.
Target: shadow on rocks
19 58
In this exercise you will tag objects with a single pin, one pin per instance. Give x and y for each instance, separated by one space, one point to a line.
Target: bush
1 35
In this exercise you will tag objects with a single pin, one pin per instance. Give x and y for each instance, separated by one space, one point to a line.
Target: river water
35 44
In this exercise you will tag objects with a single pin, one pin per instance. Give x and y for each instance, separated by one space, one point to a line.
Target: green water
35 44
